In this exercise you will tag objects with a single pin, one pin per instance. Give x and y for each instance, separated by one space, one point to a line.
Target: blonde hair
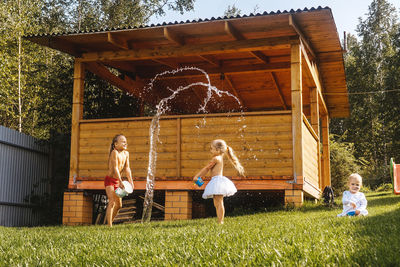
355 176
221 145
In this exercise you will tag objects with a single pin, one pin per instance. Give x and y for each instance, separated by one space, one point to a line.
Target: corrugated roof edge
265 13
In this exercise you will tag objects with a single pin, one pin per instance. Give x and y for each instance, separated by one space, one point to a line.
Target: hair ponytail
234 160
221 145
114 140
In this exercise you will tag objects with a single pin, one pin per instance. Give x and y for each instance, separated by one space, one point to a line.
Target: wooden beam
241 184
211 60
326 168
173 36
235 92
297 110
77 115
278 89
260 56
232 31
322 103
314 106
179 40
312 71
118 42
190 50
303 38
172 65
178 147
121 65
129 86
237 69
65 46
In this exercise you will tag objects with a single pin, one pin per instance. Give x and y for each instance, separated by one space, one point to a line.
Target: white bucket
124 192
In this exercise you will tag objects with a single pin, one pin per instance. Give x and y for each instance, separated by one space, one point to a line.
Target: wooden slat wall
95 141
263 144
310 157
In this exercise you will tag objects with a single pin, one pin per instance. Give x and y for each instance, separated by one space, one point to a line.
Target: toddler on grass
354 202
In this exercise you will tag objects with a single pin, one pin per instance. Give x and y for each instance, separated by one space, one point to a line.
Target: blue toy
199 181
351 213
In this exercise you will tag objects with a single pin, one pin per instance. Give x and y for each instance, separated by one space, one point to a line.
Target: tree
232 11
46 74
343 162
370 126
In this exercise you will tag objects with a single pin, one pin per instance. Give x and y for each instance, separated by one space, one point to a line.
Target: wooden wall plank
262 143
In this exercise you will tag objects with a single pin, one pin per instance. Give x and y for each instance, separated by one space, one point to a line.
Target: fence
24 172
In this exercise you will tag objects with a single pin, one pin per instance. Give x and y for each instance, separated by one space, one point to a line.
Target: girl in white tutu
219 186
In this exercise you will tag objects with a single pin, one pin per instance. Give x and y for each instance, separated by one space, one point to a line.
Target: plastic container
199 182
351 213
124 192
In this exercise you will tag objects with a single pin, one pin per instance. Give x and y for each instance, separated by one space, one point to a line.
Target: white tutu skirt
219 185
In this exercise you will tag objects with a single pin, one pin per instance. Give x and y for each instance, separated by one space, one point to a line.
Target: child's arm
347 199
206 169
128 168
114 167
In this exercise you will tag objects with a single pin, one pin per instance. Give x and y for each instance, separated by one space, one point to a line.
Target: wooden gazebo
286 68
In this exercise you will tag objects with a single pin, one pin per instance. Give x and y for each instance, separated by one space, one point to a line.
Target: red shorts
109 181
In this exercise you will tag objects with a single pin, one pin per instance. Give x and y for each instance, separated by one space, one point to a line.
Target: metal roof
175 44
265 13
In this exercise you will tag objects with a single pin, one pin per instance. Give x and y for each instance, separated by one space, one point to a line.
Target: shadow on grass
317 207
379 194
178 223
379 236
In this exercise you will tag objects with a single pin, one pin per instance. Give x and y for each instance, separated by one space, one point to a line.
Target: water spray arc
154 129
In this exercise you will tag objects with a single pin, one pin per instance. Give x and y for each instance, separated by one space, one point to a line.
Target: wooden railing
310 155
261 140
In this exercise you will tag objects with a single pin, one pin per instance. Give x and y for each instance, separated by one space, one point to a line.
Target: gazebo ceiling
252 52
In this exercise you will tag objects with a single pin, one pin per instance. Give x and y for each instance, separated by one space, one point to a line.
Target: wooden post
297 110
178 147
314 106
326 168
77 114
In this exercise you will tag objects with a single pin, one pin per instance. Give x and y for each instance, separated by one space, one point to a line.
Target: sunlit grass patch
311 235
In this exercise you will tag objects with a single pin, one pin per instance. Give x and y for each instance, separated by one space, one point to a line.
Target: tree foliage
343 162
232 11
46 74
371 65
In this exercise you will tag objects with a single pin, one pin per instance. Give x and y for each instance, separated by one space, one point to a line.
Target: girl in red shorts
118 161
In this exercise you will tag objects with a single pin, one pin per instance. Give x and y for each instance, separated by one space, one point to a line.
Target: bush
376 175
343 163
366 189
384 188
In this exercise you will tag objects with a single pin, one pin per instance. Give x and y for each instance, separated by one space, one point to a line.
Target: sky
345 12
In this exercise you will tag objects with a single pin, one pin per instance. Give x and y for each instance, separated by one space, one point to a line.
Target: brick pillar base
77 208
294 198
178 205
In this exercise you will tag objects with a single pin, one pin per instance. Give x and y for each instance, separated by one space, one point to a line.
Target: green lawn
309 236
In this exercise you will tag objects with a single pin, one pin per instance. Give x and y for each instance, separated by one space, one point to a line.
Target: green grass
310 236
